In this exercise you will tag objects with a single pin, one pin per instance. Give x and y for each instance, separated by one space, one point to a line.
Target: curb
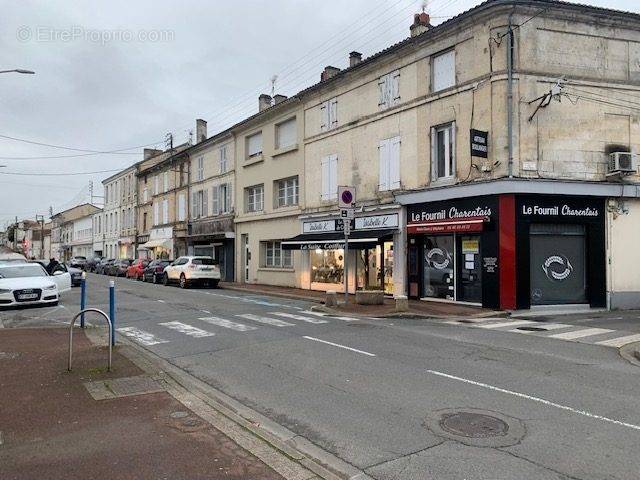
290 296
631 353
409 314
306 456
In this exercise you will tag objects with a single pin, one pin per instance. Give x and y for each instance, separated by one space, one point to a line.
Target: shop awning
155 243
450 225
358 239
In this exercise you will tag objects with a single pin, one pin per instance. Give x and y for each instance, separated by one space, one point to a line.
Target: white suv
189 270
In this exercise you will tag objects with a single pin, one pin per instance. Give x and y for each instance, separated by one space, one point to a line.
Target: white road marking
302 318
341 346
205 311
536 399
512 323
162 301
317 314
620 341
266 320
346 319
187 329
145 338
585 332
222 322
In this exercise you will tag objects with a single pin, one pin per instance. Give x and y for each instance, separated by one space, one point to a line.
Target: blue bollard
83 296
112 310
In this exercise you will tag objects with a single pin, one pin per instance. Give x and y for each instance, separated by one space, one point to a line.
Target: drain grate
122 387
533 329
473 425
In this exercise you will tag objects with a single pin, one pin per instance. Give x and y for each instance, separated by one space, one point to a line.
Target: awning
358 239
155 243
450 225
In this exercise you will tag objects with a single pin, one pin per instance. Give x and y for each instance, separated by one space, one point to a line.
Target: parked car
76 273
29 284
6 257
154 271
92 263
119 267
136 268
78 262
187 271
103 266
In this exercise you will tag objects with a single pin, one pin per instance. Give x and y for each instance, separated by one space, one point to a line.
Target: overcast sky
119 74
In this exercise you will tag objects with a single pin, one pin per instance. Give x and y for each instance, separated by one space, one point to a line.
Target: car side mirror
58 273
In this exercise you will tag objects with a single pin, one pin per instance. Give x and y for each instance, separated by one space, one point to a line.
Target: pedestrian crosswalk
557 331
209 325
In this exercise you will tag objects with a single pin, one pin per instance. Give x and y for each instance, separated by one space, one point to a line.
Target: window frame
450 147
291 197
251 194
272 250
278 126
248 138
434 58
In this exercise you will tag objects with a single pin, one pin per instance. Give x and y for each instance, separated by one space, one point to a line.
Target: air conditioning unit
622 163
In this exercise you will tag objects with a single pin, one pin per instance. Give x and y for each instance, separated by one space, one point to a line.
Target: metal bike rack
71 332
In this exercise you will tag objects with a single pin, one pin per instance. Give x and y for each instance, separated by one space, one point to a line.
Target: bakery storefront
370 255
508 251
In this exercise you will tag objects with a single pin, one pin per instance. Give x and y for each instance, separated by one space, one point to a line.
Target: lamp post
19 70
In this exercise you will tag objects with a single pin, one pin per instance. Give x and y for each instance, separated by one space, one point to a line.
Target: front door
439 264
469 272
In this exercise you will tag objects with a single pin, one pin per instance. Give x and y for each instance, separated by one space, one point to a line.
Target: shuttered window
215 200
443 71
389 89
156 218
389 150
286 134
156 185
223 159
200 169
329 114
165 211
182 211
329 167
165 182
254 144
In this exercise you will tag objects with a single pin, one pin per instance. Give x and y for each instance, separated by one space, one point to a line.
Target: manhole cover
191 422
179 414
473 425
533 329
122 387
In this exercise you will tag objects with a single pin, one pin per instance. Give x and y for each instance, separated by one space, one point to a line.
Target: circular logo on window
438 258
536 295
557 268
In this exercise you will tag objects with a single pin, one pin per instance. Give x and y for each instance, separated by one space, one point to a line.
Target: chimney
354 58
279 98
201 130
329 72
420 24
264 102
150 152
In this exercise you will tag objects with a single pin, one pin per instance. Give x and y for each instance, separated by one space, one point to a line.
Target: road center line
161 301
535 399
340 346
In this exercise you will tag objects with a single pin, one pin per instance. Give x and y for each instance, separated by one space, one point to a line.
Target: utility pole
40 220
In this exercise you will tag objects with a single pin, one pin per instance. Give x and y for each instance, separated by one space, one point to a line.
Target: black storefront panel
560 250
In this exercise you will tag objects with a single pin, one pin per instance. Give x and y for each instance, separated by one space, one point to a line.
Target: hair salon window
327 266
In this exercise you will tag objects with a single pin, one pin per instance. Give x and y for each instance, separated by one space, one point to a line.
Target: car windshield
204 261
80 258
26 270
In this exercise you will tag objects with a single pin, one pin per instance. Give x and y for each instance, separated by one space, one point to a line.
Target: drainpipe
510 96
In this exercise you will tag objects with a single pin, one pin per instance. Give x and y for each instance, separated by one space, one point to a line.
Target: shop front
215 239
126 247
370 256
159 245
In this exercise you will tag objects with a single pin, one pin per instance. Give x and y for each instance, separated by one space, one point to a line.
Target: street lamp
19 70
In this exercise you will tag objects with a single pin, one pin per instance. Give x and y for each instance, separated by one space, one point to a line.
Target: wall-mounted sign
490 264
346 197
427 215
558 211
377 221
372 222
322 246
479 143
319 226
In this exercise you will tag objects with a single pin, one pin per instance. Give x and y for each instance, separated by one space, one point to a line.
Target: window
165 181
254 198
329 166
443 147
200 169
145 195
286 133
156 213
443 71
182 212
221 199
199 204
389 86
287 192
254 145
329 114
275 257
144 222
223 159
389 150
165 211
156 187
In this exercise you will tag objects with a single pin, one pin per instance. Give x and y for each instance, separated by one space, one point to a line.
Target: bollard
112 310
83 297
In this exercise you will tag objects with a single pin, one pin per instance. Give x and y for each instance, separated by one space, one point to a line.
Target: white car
189 270
30 284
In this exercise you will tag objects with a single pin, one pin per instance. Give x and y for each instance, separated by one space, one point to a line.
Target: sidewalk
416 307
51 427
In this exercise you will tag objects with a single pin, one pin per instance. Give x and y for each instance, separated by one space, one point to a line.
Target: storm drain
473 425
533 329
9 355
122 387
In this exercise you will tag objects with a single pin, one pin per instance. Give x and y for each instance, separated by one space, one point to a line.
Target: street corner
631 353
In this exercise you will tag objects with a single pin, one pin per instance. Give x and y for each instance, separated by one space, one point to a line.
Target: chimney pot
279 98
354 58
420 24
329 72
201 130
264 102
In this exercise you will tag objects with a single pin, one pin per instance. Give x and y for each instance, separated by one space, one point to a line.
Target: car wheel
183 281
214 283
165 280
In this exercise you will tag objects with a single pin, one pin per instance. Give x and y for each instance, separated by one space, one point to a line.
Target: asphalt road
387 395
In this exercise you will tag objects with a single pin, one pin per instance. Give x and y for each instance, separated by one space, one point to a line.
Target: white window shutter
444 71
205 203
394 163
194 205
165 211
155 185
181 211
382 88
395 87
229 198
333 114
452 153
383 151
156 208
324 116
215 202
333 192
434 155
326 177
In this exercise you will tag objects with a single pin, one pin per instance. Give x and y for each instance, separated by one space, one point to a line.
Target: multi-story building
98 233
72 232
212 186
162 181
119 218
